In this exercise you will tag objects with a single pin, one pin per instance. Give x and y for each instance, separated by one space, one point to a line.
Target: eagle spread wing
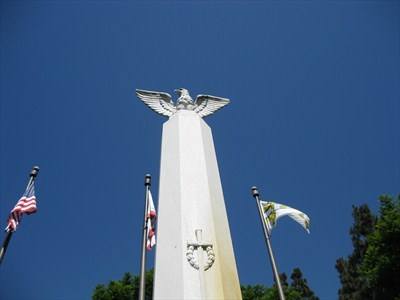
157 101
206 105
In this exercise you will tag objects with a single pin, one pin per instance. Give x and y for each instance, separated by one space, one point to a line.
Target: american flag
27 205
151 218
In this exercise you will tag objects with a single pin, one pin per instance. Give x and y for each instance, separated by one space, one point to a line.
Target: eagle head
182 92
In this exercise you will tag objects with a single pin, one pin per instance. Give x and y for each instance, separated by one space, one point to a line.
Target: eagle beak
177 91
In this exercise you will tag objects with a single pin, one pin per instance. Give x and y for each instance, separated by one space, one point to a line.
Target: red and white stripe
25 205
151 218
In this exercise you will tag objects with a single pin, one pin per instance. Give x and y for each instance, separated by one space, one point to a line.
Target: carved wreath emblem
193 261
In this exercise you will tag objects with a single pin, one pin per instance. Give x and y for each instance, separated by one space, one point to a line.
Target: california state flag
273 211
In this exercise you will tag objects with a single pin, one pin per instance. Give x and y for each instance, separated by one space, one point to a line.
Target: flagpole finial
34 171
254 190
147 180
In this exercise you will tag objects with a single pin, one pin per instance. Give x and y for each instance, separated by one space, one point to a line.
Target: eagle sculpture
162 103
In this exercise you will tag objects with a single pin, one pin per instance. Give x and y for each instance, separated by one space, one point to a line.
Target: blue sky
313 122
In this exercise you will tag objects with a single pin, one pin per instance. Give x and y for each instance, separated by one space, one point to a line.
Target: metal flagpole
147 183
267 237
3 249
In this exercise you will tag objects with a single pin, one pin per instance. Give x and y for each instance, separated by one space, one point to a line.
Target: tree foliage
125 289
297 290
371 271
353 285
381 264
300 285
254 292
128 289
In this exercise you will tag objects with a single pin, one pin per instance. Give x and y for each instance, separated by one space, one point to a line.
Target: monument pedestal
190 265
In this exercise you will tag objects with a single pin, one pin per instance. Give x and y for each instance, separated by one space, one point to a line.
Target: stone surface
191 198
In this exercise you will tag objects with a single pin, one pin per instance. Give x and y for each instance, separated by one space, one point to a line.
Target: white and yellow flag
273 211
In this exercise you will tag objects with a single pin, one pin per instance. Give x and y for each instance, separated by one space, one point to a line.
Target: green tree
353 285
128 288
125 289
250 292
290 294
381 264
300 285
372 270
260 292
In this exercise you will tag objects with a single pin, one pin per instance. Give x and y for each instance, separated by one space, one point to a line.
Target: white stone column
191 198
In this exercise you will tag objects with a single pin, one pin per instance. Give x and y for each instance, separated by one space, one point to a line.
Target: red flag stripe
26 204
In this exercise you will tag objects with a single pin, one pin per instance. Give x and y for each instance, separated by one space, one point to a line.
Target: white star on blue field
313 122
